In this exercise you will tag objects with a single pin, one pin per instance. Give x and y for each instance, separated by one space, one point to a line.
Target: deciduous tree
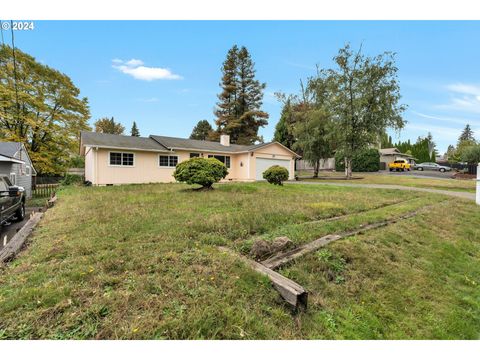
365 100
109 126
42 108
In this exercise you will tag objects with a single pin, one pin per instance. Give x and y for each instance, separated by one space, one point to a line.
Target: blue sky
165 74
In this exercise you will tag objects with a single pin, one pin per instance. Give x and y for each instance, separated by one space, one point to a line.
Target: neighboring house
391 154
117 159
17 165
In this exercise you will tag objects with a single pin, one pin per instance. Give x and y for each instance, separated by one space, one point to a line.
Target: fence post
478 185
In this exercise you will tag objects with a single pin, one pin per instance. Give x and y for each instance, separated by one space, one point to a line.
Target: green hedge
365 161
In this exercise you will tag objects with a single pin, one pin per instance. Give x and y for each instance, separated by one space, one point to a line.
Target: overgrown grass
396 179
142 261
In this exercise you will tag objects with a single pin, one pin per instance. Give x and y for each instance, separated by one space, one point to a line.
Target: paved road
459 194
13 228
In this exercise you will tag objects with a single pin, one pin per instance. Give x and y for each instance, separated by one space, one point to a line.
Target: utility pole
478 185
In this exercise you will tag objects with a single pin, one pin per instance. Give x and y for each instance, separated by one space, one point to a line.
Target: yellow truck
399 165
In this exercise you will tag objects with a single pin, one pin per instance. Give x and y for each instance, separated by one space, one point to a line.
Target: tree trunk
348 168
316 168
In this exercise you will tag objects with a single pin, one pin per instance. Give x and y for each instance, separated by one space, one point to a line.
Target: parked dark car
431 166
12 201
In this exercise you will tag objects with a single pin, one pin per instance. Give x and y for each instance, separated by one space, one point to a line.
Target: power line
15 72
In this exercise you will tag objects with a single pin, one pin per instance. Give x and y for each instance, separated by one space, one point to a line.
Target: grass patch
369 178
141 262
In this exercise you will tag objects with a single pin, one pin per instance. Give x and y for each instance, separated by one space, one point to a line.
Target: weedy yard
143 261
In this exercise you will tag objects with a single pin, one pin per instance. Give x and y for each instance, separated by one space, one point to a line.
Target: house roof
9 148
88 138
163 143
394 151
10 159
189 144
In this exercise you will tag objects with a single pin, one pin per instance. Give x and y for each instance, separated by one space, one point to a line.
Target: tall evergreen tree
238 110
134 131
467 134
201 131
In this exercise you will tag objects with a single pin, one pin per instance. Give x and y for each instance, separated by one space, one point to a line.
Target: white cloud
455 120
461 88
149 100
464 97
136 69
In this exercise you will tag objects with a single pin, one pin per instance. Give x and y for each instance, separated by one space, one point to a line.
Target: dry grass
142 262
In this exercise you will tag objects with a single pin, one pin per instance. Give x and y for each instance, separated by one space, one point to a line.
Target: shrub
367 160
200 171
276 175
471 154
71 179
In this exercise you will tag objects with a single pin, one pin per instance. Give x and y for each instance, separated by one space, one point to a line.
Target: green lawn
396 179
142 261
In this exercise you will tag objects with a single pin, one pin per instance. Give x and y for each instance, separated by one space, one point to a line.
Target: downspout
95 177
248 165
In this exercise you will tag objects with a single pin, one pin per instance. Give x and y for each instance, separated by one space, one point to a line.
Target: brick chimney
225 140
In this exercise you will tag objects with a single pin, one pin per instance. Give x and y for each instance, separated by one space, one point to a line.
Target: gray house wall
22 177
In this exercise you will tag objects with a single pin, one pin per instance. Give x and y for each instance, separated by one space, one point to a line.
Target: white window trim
167 167
15 176
28 170
225 163
121 152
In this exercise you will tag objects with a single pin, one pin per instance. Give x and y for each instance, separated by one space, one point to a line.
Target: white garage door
263 164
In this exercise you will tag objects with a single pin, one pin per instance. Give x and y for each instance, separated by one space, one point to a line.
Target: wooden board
290 291
17 241
283 258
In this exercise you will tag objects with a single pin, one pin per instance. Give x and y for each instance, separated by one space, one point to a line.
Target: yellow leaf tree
42 108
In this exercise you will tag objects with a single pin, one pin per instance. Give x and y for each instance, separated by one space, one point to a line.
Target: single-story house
389 155
17 165
117 159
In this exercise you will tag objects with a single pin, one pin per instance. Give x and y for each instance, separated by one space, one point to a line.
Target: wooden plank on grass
285 257
17 241
292 292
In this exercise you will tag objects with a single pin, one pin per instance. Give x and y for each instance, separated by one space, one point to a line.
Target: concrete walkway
459 194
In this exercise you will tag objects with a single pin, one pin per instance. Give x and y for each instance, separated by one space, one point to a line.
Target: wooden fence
43 190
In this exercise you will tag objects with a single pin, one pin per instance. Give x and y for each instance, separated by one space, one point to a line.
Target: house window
194 155
121 159
168 160
224 159
27 171
13 178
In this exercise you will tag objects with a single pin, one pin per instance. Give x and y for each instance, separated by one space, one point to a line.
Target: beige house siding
89 164
146 167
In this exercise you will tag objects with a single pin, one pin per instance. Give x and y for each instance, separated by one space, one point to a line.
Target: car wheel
390 169
442 170
408 169
420 169
20 213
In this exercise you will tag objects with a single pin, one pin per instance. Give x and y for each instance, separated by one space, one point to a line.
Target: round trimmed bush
276 175
200 171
